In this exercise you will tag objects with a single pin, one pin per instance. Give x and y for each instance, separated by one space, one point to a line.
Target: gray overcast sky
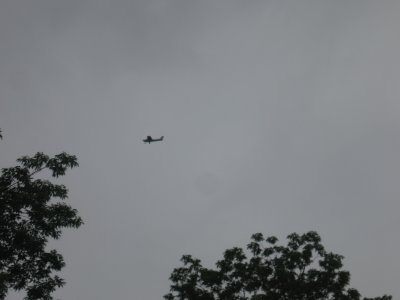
278 117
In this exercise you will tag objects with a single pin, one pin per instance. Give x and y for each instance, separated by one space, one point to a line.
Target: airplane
150 139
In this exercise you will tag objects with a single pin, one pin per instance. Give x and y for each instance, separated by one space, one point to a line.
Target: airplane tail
161 138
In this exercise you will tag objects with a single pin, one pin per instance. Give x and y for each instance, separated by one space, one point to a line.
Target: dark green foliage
301 270
30 214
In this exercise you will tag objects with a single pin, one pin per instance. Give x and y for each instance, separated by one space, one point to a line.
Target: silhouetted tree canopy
301 270
31 212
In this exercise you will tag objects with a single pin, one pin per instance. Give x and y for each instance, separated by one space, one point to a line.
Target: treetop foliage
301 270
29 215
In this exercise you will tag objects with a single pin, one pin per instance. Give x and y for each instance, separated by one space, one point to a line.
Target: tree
32 211
301 270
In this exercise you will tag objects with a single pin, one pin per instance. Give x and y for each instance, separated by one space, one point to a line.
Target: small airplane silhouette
150 139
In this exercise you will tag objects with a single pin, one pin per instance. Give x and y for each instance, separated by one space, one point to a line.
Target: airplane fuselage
151 140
